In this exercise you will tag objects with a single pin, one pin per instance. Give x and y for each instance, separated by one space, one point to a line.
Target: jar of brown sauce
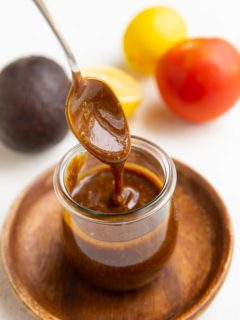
118 250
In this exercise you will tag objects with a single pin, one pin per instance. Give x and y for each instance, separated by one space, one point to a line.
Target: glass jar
120 251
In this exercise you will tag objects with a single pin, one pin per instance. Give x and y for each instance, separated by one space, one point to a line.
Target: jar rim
157 203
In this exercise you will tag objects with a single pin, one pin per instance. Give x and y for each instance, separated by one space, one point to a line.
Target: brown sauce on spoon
98 121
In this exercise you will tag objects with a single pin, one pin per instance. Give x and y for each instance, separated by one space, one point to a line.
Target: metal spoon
93 111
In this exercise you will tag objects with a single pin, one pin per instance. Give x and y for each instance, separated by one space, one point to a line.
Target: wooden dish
45 281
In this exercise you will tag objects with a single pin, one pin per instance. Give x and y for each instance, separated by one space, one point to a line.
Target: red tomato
199 79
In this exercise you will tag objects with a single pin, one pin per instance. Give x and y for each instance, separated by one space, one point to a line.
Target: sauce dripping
96 118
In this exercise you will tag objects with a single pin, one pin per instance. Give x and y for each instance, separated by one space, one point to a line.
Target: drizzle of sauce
96 118
95 188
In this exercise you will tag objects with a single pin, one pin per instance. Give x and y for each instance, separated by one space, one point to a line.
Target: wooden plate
44 280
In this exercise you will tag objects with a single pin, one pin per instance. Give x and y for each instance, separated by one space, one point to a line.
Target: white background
94 29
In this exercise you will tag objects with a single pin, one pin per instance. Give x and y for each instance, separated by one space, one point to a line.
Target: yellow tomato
150 34
126 88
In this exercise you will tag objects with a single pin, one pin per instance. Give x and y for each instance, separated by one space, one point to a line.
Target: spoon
93 112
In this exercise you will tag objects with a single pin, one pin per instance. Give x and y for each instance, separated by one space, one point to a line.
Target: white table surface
94 29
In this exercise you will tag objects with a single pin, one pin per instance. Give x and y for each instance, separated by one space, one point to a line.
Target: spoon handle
70 57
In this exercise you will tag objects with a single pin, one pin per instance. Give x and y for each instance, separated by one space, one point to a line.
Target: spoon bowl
95 116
